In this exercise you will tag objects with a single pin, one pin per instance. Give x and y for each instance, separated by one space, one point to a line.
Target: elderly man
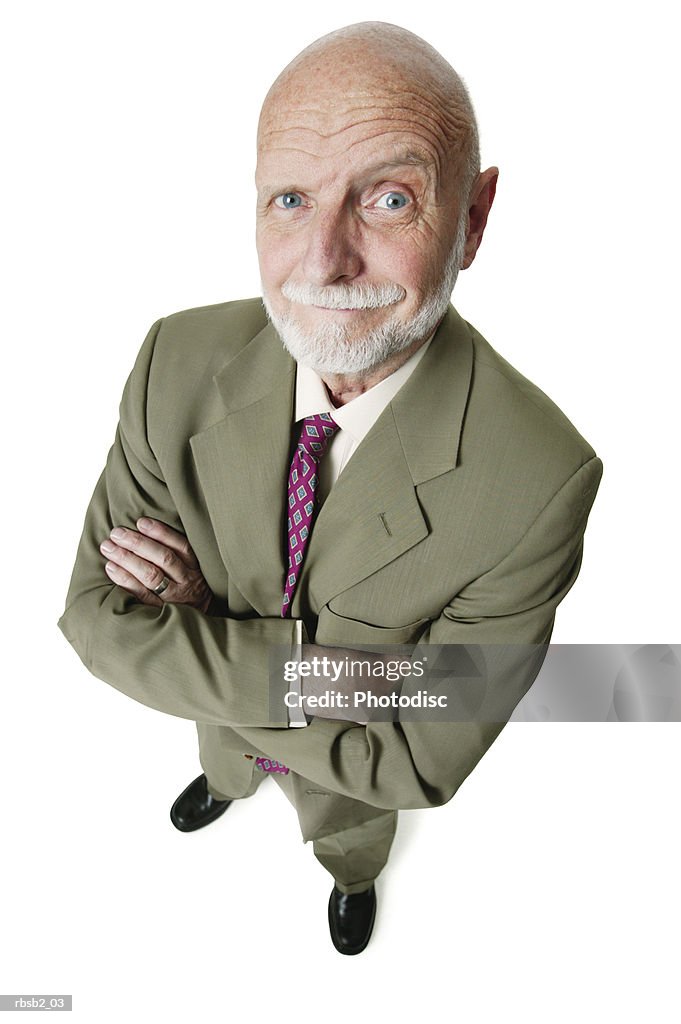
383 477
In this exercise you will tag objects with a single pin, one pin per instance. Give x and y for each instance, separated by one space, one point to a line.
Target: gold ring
162 586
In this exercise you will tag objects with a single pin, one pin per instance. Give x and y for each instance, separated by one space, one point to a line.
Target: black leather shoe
195 807
351 919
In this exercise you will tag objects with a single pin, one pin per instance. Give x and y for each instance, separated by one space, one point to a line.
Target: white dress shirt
355 419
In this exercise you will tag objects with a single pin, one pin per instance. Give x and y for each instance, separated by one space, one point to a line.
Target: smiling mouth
341 309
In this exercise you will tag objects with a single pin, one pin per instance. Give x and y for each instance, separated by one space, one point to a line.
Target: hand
138 562
332 681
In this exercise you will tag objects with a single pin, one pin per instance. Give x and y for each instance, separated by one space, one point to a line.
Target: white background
548 889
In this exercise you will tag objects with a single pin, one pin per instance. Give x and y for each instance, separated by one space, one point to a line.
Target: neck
343 387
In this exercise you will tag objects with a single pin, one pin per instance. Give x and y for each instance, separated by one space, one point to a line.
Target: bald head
377 64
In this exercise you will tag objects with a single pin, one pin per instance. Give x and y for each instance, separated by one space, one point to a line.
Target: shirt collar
359 415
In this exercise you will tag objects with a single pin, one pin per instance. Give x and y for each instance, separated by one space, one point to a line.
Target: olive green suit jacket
458 520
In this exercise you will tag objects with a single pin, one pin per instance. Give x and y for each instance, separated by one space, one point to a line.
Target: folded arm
169 656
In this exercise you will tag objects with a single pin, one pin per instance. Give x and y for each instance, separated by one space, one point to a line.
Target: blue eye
393 201
288 201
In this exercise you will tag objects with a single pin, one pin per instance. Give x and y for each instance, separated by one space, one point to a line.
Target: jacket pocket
335 630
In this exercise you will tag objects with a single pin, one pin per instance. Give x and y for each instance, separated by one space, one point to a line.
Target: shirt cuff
296 715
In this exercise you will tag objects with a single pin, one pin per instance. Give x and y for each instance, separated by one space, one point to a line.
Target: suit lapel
430 409
242 463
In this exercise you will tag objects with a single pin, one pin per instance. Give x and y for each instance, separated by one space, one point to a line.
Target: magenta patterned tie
315 434
266 764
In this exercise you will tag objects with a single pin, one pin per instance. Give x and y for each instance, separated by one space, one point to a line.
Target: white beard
331 347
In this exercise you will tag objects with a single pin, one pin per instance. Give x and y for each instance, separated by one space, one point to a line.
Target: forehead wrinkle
398 122
395 126
400 158
433 105
442 132
355 115
430 158
400 117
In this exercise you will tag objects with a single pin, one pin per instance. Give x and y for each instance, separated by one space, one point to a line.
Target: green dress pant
350 839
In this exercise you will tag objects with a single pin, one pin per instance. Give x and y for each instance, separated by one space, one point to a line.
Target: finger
159 555
127 582
173 539
146 573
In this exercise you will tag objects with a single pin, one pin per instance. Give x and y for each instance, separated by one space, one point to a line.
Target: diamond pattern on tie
265 764
315 434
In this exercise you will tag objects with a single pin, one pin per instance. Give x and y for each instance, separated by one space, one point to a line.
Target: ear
479 205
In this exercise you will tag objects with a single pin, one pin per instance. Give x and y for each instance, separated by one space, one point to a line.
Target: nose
332 251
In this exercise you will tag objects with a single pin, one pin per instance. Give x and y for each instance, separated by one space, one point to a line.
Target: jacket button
249 757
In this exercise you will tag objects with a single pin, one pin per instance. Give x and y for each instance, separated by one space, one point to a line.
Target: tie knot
315 434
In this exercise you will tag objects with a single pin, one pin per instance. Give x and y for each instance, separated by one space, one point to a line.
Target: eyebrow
405 158
411 157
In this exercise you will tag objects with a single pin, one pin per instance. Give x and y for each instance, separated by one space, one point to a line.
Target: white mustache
345 296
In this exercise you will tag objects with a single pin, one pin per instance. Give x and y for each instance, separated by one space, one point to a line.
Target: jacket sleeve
173 658
410 764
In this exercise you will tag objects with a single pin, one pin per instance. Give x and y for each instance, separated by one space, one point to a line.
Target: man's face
357 207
